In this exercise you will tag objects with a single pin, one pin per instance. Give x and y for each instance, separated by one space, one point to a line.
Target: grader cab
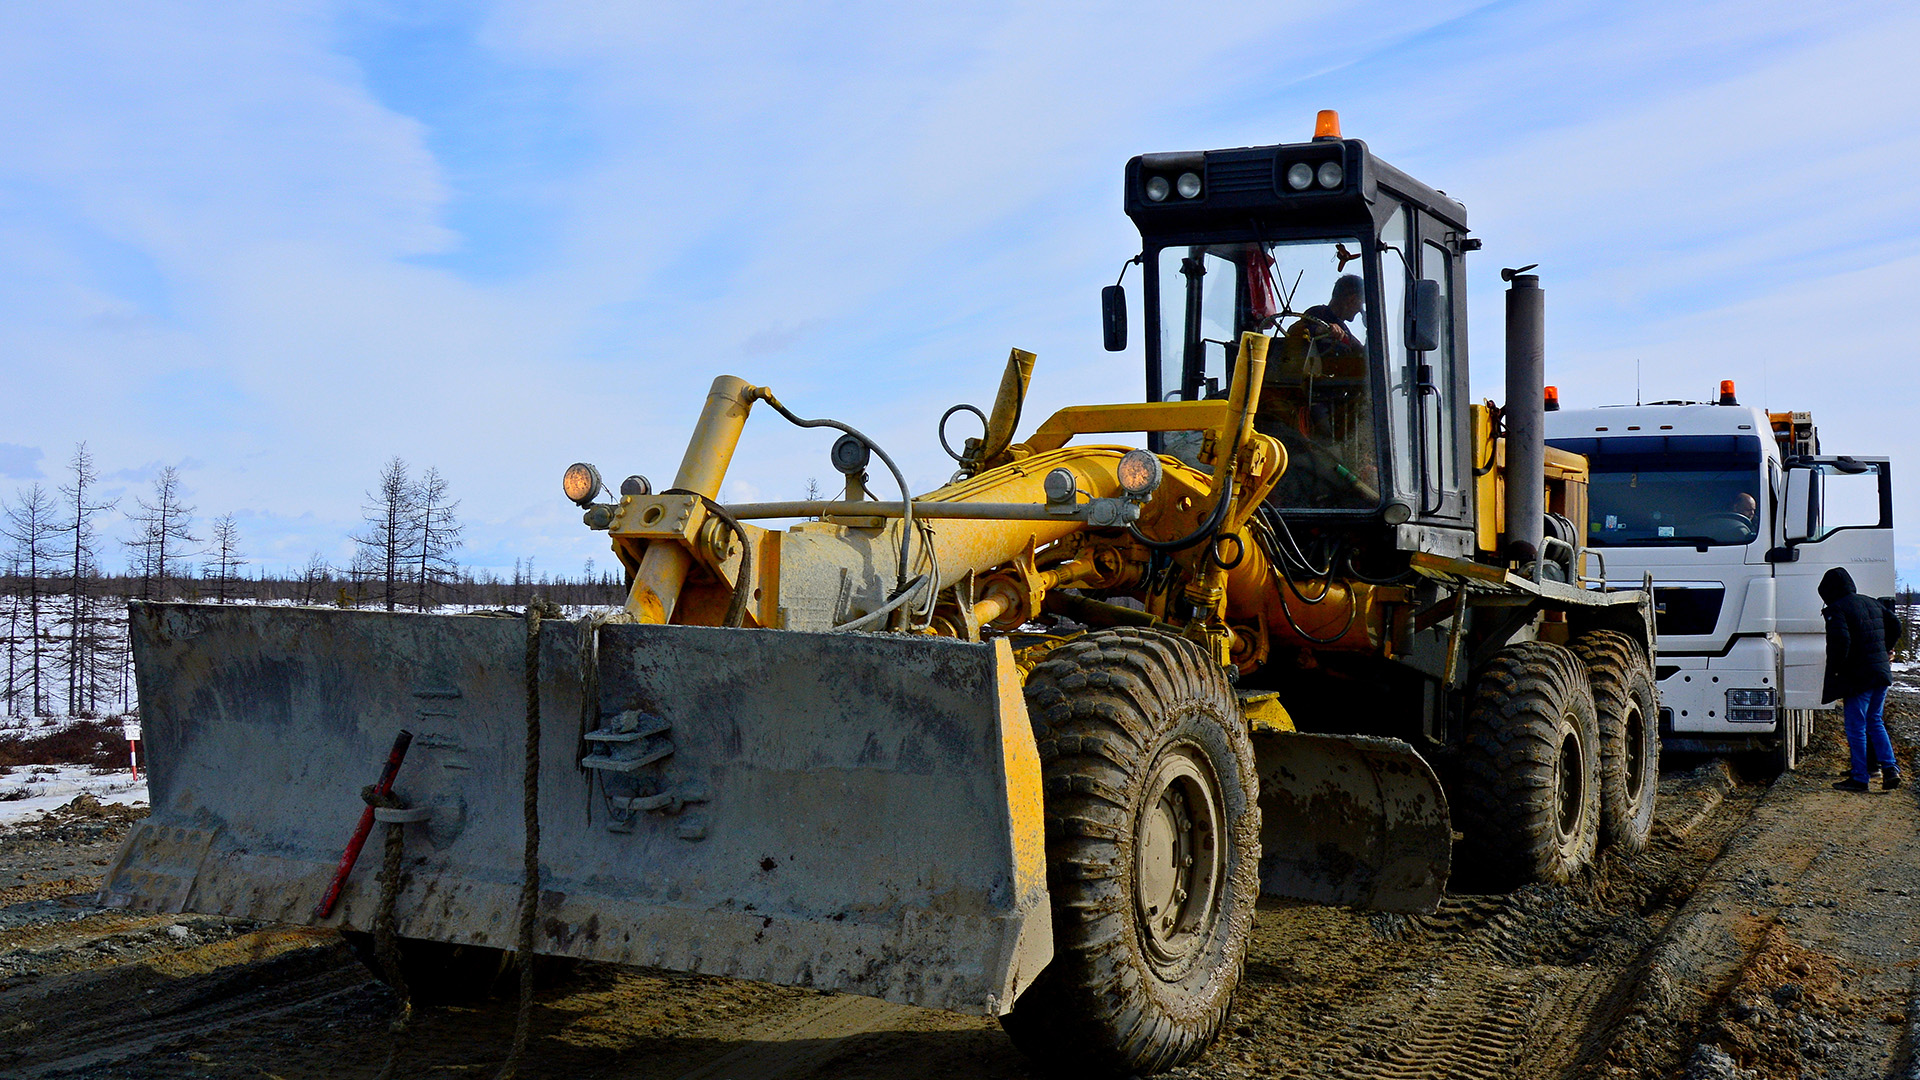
1028 745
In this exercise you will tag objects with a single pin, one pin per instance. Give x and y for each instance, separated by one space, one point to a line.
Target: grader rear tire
1153 834
1529 783
1627 707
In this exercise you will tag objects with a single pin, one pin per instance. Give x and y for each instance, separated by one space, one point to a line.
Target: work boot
1889 778
1849 784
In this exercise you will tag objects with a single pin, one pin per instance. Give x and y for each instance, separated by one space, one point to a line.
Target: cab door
1831 511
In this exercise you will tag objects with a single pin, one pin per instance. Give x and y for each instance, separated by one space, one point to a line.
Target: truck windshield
1317 397
1671 490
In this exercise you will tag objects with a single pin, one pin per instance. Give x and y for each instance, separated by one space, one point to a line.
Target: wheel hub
1178 858
1572 785
1636 753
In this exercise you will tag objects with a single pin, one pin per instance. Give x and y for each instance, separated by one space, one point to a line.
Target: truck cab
1734 516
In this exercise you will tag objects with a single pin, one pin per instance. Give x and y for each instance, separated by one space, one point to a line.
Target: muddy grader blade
852 812
1351 820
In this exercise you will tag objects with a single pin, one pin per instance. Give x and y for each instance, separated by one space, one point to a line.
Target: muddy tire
444 973
1627 709
1776 761
1786 756
1153 833
1527 786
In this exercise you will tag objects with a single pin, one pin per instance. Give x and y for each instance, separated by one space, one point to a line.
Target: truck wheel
1627 708
1783 758
1529 771
1786 756
1153 848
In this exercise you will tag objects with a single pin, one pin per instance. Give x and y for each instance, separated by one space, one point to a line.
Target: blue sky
277 244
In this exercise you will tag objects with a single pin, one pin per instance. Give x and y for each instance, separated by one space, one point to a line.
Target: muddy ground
1772 930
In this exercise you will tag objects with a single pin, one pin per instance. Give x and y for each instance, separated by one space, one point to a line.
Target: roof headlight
1158 189
1139 473
581 483
1188 185
1300 176
1331 174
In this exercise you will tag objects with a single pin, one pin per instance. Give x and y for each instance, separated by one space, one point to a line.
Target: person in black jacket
1859 629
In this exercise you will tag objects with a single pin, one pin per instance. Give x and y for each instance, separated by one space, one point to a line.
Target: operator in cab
1325 324
1314 401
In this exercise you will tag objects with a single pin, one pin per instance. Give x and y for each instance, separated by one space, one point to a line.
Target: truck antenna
1636 380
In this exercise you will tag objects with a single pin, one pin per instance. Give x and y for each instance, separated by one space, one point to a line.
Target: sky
276 245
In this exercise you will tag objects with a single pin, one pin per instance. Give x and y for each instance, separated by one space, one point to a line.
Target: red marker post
131 729
352 854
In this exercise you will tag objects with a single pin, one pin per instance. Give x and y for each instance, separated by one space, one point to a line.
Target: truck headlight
1750 698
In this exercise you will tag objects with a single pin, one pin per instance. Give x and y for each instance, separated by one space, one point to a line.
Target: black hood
1836 584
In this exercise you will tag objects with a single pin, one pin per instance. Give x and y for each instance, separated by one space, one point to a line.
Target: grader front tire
1627 707
1153 829
1529 804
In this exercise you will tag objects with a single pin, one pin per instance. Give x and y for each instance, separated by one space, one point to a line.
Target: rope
386 943
537 609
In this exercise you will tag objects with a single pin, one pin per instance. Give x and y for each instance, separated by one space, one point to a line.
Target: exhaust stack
1526 417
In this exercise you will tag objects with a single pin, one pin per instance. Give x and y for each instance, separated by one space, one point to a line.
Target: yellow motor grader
1029 745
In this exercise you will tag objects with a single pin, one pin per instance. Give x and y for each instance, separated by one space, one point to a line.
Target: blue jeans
1864 723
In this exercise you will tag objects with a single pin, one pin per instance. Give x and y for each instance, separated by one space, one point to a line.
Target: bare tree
226 557
387 547
31 528
11 691
438 534
88 663
165 533
314 579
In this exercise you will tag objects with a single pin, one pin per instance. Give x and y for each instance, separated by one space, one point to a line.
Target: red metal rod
352 854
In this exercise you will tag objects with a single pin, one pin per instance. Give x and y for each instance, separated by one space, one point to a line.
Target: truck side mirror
1113 317
1799 511
1424 334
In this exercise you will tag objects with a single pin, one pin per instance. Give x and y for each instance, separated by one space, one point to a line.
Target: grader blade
1351 820
850 812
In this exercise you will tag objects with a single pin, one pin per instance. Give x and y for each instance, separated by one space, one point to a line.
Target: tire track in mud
103 1015
1527 983
1473 1031
1816 892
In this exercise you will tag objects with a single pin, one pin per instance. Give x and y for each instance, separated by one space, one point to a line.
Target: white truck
1735 515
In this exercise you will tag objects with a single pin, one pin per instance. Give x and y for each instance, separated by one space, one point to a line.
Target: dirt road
1770 931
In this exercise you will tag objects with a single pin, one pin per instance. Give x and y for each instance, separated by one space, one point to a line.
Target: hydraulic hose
906 497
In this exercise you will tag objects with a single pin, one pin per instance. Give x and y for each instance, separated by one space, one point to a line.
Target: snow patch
30 790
